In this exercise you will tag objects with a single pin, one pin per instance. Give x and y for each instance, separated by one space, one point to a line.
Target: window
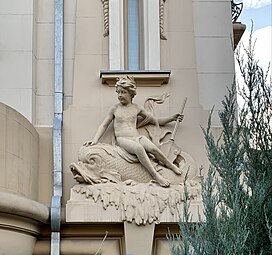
134 36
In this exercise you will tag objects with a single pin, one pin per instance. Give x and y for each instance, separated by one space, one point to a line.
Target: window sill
143 78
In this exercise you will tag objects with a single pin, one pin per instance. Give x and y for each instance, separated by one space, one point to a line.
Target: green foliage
237 193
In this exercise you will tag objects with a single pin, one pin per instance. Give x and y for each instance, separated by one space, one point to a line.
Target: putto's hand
180 117
89 143
156 122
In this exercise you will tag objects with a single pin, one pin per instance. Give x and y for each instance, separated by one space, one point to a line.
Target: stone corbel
162 35
143 78
106 16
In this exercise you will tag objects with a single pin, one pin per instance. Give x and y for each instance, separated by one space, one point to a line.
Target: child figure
124 116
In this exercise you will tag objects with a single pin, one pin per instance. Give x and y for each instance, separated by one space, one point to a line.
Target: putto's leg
137 149
152 148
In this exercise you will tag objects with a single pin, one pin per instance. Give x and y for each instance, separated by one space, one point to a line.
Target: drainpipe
57 131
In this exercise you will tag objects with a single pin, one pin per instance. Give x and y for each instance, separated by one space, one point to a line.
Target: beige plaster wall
21 215
69 49
214 50
18 154
180 53
44 57
45 181
89 96
24 243
83 246
27 57
44 79
16 66
43 50
20 222
197 51
193 29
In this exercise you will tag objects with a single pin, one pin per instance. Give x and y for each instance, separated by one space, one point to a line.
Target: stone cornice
143 78
238 31
22 206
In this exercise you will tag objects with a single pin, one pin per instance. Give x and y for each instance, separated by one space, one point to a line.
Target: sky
259 11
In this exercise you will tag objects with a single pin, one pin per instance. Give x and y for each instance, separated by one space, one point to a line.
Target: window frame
149 40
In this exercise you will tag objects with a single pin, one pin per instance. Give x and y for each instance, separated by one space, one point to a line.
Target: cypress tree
237 193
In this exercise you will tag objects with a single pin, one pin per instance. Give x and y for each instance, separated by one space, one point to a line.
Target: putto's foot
162 181
176 170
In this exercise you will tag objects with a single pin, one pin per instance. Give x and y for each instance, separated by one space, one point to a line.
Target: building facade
58 64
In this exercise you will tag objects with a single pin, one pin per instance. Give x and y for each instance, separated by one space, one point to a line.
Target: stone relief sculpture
143 164
106 16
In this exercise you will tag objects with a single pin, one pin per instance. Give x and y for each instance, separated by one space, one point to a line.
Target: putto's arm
176 117
148 118
102 128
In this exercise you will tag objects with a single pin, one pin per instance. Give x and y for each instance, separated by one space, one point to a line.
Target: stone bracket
139 239
143 78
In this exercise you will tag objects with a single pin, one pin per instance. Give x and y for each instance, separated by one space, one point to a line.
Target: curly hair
128 83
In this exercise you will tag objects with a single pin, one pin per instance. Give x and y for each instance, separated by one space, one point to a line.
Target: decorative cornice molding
143 78
238 31
106 16
22 206
162 35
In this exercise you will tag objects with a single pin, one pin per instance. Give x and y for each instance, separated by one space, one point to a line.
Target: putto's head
127 83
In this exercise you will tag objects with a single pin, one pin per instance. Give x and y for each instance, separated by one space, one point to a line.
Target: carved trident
169 148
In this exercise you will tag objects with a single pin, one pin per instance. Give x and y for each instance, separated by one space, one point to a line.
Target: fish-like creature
108 163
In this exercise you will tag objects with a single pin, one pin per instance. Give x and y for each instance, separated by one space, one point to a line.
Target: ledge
238 30
22 206
143 78
116 203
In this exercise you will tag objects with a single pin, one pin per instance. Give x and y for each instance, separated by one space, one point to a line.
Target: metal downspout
57 131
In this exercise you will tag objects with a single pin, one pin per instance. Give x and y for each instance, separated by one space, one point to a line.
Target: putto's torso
125 119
